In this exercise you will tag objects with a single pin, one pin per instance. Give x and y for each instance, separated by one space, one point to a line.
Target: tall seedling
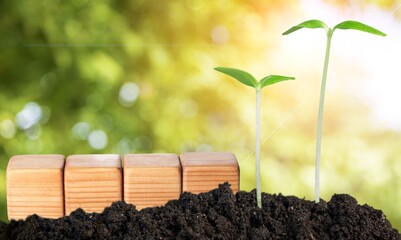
329 32
249 80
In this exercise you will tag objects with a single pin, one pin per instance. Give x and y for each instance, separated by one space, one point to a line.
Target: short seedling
249 80
329 31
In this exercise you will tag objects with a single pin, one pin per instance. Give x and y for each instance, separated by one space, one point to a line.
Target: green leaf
358 26
272 79
240 75
307 24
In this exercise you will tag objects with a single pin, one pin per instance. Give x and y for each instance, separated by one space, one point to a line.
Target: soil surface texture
218 214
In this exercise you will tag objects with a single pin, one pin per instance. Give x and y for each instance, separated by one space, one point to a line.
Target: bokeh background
137 76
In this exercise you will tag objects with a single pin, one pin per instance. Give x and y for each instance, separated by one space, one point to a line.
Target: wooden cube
35 186
204 171
92 182
151 179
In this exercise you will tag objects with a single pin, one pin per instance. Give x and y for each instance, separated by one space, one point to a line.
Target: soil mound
218 214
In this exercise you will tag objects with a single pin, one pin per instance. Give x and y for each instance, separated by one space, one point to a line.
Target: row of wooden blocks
52 186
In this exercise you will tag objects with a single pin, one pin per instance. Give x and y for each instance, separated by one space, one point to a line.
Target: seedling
329 32
249 80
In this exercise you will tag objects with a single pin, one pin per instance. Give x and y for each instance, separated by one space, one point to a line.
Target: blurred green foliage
137 76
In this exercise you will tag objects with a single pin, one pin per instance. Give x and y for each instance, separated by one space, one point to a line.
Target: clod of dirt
218 214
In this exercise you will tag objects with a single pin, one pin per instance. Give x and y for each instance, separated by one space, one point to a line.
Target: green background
64 67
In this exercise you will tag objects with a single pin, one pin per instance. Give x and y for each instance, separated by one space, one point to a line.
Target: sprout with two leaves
354 25
249 80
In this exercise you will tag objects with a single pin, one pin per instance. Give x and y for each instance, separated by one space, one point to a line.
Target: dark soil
218 214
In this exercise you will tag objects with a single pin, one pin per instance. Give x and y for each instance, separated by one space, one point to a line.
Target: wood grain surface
50 186
92 182
151 179
35 186
204 171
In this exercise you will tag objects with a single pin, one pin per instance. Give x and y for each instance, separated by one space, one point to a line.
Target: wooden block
151 179
35 186
92 182
204 171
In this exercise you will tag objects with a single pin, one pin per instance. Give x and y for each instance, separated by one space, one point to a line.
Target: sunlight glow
97 139
29 115
128 94
81 130
7 129
373 60
220 34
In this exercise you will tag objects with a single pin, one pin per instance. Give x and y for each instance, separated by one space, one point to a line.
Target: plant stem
320 116
257 149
